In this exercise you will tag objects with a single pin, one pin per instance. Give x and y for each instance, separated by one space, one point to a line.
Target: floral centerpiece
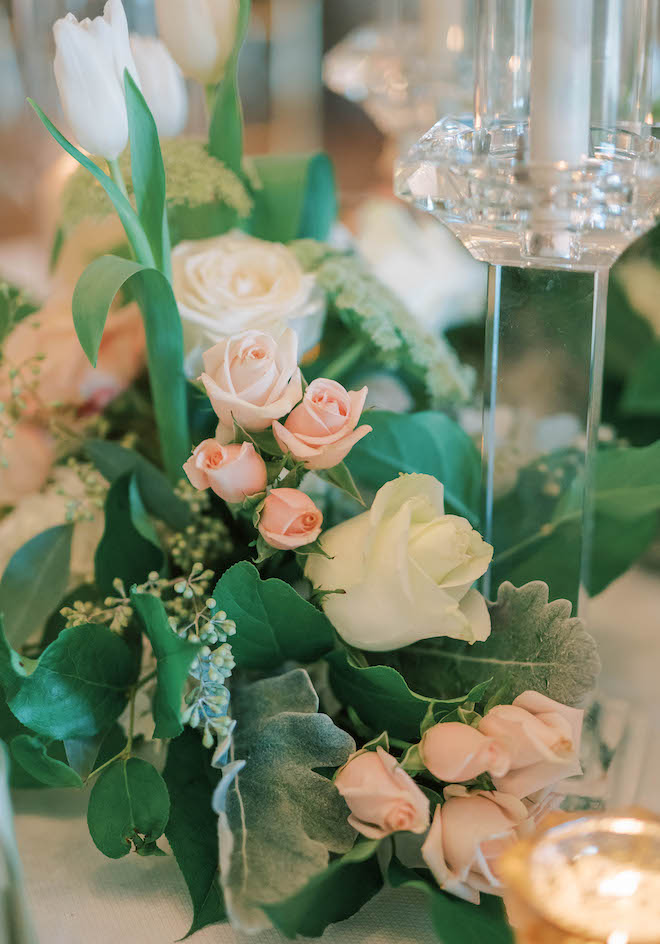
252 626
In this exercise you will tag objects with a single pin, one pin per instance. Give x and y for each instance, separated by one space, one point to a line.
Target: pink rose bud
542 738
289 519
469 833
456 752
381 796
234 472
321 431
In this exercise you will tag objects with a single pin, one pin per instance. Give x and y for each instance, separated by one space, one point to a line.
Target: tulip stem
344 361
117 176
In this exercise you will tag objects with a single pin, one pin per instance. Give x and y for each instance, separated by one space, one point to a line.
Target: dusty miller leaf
279 819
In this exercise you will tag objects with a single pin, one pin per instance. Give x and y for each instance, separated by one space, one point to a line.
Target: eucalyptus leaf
31 753
192 828
34 582
279 819
335 894
129 804
173 656
534 645
430 443
76 689
641 396
124 551
274 623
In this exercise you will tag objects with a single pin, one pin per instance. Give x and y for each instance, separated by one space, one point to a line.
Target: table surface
77 896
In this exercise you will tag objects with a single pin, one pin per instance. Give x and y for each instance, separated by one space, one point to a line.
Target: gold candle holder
590 879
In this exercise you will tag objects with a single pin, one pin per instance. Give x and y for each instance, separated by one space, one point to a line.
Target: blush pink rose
468 834
321 431
381 796
253 379
233 472
28 457
542 738
456 752
289 519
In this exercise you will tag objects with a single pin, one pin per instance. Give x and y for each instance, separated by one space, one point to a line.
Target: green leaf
226 131
128 804
274 623
174 657
92 298
122 205
148 173
279 819
83 754
641 396
113 461
192 827
335 894
76 689
297 198
124 551
31 754
430 443
34 582
533 645
341 478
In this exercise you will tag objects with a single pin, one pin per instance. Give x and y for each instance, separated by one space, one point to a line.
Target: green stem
344 361
117 176
210 95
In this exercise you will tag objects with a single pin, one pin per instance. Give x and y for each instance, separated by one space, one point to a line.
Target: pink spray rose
542 738
468 834
456 752
289 519
381 796
233 472
253 379
321 431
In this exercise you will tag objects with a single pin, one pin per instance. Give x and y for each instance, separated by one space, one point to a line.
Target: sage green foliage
275 624
31 753
192 830
335 894
160 500
34 582
174 657
14 307
533 645
127 549
129 806
430 443
279 819
77 687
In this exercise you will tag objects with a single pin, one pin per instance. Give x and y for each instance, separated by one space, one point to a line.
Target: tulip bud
90 60
163 85
200 34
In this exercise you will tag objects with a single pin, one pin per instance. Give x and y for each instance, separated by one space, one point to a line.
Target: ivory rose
406 568
456 752
381 796
468 834
200 35
542 738
289 519
234 283
234 472
253 379
321 431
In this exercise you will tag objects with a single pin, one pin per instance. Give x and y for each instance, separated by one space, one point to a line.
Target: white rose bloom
90 60
200 35
163 85
407 570
234 283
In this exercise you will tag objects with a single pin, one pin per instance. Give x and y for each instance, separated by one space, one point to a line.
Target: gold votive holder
586 879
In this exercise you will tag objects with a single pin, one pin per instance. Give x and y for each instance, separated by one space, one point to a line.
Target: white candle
560 90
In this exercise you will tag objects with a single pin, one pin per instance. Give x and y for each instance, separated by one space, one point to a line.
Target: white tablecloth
77 896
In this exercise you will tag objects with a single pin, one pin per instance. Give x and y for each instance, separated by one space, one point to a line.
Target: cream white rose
252 379
407 570
235 283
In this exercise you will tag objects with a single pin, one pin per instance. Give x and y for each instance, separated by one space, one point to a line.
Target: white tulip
163 84
200 35
90 60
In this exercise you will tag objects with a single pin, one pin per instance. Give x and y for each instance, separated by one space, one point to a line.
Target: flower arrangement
251 570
